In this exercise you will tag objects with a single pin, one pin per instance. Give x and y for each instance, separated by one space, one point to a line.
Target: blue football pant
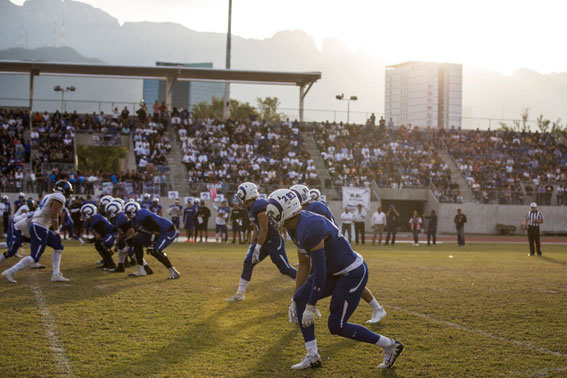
14 243
345 292
41 237
276 253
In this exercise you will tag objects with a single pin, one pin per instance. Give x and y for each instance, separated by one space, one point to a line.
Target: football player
189 214
336 271
21 201
156 207
104 234
220 223
152 231
266 239
146 202
46 216
104 200
122 224
320 208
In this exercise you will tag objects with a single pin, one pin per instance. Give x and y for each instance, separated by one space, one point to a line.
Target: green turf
111 325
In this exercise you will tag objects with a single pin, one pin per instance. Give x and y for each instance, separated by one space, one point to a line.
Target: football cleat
391 354
236 297
310 361
9 276
148 269
37 266
138 273
173 274
118 269
377 316
58 278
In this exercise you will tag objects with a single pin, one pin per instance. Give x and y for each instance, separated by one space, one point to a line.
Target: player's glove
256 254
153 238
309 315
292 312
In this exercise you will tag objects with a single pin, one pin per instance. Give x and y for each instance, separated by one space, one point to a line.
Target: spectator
346 220
415 227
392 223
358 217
378 224
460 220
431 227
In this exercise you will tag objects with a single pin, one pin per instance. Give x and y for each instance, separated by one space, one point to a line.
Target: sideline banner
352 197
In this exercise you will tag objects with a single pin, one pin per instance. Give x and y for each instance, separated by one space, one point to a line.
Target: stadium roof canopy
304 80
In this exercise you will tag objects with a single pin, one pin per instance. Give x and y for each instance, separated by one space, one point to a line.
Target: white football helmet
113 209
315 194
302 192
105 200
21 195
283 204
246 191
147 197
197 201
131 209
120 201
88 210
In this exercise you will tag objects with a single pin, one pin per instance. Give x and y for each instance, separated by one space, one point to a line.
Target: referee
533 219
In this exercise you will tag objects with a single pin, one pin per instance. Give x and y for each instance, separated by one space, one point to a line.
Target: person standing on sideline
533 219
346 220
431 227
359 216
392 221
460 220
415 226
189 214
236 216
378 224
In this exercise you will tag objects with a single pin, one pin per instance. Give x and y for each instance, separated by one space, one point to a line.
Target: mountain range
88 34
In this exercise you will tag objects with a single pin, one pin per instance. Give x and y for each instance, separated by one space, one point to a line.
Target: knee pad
334 325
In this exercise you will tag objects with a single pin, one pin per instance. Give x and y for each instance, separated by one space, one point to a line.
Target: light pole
226 109
341 97
59 88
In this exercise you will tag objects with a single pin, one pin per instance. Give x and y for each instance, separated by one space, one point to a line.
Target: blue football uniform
337 271
104 228
274 246
189 217
320 208
146 204
155 208
122 225
146 223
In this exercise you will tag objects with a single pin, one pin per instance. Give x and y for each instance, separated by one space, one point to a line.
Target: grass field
488 311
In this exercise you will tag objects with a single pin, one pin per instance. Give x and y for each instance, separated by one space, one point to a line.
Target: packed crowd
397 158
497 163
231 152
14 149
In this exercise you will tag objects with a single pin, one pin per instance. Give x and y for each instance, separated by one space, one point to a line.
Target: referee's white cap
533 204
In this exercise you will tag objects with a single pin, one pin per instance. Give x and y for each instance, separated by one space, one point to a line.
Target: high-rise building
185 94
424 94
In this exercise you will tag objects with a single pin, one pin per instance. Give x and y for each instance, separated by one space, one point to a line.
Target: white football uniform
42 216
18 218
23 224
22 210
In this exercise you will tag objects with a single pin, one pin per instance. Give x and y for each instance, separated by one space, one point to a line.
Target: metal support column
30 110
302 93
169 91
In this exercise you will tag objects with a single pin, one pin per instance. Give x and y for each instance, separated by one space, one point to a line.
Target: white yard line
55 345
481 332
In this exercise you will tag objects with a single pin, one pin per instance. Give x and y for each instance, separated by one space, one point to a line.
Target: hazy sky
499 34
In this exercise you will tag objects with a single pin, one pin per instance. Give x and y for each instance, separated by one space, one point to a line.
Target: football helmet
21 195
105 200
146 197
283 204
302 193
247 191
131 209
315 194
120 201
112 209
64 187
31 204
88 210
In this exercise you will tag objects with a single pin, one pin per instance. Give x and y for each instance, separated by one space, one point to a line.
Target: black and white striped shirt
533 218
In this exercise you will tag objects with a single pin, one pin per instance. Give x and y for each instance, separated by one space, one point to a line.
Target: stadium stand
500 165
14 149
232 152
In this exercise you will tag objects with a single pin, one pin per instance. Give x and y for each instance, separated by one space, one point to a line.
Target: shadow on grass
553 261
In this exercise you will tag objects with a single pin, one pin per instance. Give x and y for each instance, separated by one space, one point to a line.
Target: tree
268 108
542 124
241 111
100 158
213 110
